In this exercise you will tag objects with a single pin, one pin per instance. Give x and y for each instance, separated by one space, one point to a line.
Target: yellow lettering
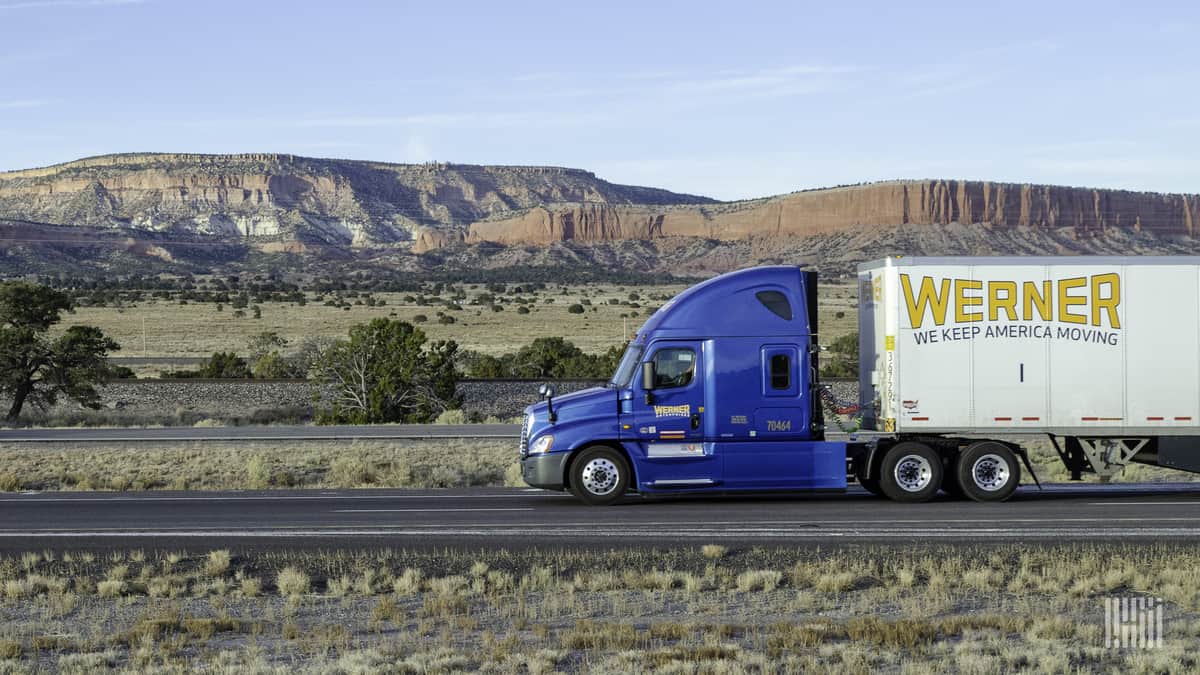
1066 301
926 297
1037 300
672 410
996 302
962 301
1106 303
1034 299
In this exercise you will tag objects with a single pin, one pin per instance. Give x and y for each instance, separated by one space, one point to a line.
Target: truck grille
528 422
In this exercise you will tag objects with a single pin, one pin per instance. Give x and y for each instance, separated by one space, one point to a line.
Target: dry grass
292 582
240 465
174 330
912 610
214 465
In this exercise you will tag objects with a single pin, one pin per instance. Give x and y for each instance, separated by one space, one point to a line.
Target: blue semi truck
719 390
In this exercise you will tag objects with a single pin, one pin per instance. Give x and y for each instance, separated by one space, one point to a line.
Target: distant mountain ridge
192 211
274 196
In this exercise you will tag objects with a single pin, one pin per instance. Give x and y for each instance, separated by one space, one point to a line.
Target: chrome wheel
600 476
990 472
987 471
913 473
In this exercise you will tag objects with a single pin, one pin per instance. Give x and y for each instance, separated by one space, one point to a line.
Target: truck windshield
629 363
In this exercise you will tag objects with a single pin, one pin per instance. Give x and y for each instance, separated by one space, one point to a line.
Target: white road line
38 498
812 526
426 510
1162 503
823 527
964 533
233 439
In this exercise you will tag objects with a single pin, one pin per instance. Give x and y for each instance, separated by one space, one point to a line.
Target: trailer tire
988 471
910 472
599 475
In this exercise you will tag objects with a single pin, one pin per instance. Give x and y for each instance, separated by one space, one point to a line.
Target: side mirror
648 381
547 392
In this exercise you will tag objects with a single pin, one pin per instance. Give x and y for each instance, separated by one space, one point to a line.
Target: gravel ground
914 610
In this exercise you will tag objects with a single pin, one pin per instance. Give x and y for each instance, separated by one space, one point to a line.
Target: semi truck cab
717 392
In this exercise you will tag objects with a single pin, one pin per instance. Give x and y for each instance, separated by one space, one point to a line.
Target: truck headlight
541 445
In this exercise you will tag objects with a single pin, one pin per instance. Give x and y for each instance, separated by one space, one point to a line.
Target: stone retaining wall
183 400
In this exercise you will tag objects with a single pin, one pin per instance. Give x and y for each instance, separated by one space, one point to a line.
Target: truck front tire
910 472
987 471
599 476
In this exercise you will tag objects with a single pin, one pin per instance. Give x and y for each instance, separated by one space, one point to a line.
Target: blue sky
729 100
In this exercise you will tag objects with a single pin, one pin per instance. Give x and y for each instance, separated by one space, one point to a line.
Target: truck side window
781 371
776 302
673 368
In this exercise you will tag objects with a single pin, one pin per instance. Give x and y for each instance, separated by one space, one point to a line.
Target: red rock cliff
930 202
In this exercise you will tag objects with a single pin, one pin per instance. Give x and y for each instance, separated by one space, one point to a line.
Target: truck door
778 452
669 424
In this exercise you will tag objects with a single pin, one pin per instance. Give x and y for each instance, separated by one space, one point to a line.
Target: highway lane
516 518
260 433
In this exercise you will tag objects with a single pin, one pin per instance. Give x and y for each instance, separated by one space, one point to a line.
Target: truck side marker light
1090 419
1003 419
1154 419
626 427
1031 419
920 419
1183 419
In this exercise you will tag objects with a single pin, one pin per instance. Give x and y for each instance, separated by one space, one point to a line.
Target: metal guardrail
289 380
264 433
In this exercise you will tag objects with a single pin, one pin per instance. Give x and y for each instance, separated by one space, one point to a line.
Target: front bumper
545 471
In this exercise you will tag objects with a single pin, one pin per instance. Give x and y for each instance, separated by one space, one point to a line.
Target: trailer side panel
1089 346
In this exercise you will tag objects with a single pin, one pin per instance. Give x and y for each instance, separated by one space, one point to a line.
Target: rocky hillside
196 213
284 197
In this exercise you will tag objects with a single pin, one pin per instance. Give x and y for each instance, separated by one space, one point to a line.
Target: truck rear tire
988 471
910 472
599 475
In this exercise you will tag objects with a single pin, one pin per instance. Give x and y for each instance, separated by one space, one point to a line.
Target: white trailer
1100 354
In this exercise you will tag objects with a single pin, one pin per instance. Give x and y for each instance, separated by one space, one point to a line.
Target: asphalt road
260 433
516 518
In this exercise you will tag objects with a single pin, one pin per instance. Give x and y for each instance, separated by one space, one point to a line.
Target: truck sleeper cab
717 392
